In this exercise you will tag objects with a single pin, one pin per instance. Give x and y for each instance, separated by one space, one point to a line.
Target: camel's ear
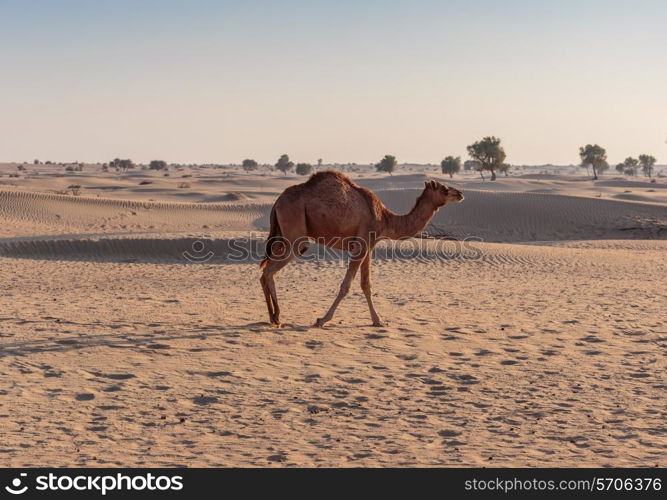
430 184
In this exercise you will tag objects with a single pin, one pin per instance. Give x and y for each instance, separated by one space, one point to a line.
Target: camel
332 210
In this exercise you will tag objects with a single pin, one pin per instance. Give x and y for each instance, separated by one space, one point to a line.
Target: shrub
451 165
284 164
304 168
387 164
158 165
249 164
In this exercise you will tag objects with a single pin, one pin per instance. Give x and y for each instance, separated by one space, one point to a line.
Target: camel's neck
410 224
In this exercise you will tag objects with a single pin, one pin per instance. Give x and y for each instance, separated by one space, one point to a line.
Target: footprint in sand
314 344
448 433
158 346
280 457
119 376
204 400
113 388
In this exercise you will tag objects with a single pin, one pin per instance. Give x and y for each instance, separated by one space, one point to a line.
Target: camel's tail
274 232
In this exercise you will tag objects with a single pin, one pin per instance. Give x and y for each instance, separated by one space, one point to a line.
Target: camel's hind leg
366 287
294 243
269 285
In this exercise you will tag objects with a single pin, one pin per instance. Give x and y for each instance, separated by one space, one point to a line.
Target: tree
620 168
387 164
122 165
479 168
489 153
630 164
249 165
284 164
304 168
451 165
647 162
594 156
157 165
471 165
505 169
319 163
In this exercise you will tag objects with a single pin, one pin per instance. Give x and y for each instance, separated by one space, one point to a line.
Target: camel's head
440 194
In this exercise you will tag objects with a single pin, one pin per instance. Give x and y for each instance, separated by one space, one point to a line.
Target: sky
347 81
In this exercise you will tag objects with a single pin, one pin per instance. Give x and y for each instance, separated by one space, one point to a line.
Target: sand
539 340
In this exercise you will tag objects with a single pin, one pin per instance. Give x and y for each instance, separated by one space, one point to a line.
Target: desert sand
537 338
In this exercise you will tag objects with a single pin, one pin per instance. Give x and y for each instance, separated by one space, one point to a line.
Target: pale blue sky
205 81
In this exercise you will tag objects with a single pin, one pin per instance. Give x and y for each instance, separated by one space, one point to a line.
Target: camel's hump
329 175
338 180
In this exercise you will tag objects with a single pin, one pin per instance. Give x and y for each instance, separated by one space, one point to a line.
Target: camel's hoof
319 323
277 324
378 323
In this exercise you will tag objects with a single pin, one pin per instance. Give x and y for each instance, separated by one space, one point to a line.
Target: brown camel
332 210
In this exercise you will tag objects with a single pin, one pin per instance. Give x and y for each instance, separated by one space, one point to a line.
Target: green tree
387 164
505 169
630 164
451 165
319 163
122 165
249 164
489 153
620 168
594 156
304 168
471 165
157 165
647 162
284 164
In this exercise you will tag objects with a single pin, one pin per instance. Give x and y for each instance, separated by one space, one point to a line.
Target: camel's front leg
366 287
344 289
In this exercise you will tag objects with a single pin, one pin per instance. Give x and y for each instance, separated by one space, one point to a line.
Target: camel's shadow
156 341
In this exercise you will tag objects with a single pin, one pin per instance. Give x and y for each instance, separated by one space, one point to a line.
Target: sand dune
491 216
516 217
88 214
133 330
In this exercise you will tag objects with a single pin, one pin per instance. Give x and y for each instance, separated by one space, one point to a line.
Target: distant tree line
486 155
594 157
